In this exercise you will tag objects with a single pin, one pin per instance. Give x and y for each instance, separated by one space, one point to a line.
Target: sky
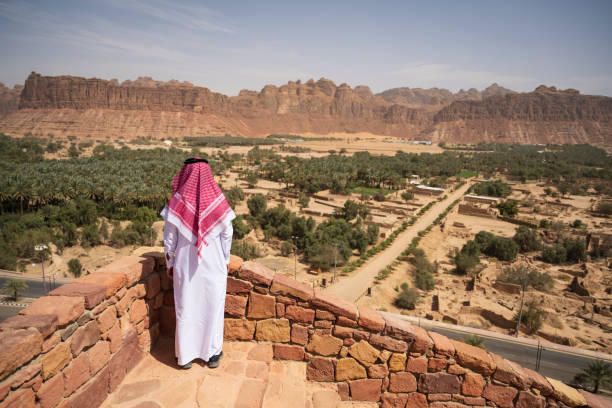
231 45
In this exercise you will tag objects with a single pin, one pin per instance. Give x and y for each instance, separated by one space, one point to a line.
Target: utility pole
295 255
518 324
40 248
335 244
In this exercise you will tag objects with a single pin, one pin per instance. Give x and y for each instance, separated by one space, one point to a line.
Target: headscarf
198 207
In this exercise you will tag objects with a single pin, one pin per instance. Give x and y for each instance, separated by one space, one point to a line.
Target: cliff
9 98
67 105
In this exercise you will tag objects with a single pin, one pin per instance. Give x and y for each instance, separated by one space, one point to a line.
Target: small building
168 143
422 142
427 190
481 199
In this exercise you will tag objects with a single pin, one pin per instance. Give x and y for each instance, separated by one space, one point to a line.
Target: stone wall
72 348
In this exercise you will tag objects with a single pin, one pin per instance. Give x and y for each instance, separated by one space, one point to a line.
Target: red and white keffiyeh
197 207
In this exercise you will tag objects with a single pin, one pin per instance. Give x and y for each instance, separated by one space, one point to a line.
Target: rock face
66 105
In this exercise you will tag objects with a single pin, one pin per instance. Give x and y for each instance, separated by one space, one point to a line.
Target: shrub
474 340
75 267
244 250
286 248
527 239
424 280
240 228
496 188
554 254
518 274
503 249
508 208
257 205
577 224
407 298
576 250
532 316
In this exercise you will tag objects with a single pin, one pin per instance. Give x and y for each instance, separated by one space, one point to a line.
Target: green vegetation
519 274
423 279
467 174
227 140
13 287
484 242
595 375
474 340
75 267
570 251
407 298
244 250
370 191
508 208
495 188
532 316
527 239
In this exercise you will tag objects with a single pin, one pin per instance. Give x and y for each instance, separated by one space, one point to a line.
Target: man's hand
169 272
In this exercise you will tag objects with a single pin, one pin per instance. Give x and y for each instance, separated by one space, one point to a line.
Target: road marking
4 303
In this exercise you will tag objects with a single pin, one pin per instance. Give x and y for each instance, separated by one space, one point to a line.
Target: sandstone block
256 273
393 400
153 286
51 392
389 343
417 365
378 371
280 309
365 390
76 374
138 311
529 400
456 369
325 315
84 337
502 396
344 321
107 318
114 337
284 285
416 400
566 394
23 398
98 356
299 314
473 358
439 383
323 324
349 369
94 392
421 343
299 334
402 382
288 352
472 385
24 374
364 353
335 304
133 267
436 364
17 348
45 324
238 329
509 373
320 369
237 286
112 282
397 362
235 305
324 345
92 294
261 306
235 263
442 344
56 359
370 319
67 309
273 330
539 382
167 320
340 331
397 327
124 360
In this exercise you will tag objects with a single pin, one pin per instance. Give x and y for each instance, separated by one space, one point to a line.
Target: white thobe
199 291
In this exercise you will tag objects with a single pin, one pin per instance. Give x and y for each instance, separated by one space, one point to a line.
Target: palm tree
597 373
14 286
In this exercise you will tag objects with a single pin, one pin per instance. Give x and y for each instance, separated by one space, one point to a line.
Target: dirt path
353 286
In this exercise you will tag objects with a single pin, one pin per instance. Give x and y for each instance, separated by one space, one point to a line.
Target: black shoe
213 362
186 366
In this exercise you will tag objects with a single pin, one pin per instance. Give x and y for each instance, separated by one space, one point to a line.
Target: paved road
555 364
35 290
353 286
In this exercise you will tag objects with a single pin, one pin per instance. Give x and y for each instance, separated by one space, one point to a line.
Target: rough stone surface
510 373
324 345
94 392
299 314
274 330
55 360
98 356
76 374
92 294
501 395
442 344
393 400
397 362
20 399
235 305
439 383
349 369
111 281
378 371
288 352
51 392
235 263
421 343
17 348
436 364
284 285
261 306
45 324
472 385
256 273
84 337
365 390
67 309
402 382
389 343
370 319
473 358
238 286
133 267
320 369
529 400
398 327
335 304
238 329
299 334
417 364
566 394
539 382
364 353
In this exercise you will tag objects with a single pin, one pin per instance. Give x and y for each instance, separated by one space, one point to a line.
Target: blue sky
232 45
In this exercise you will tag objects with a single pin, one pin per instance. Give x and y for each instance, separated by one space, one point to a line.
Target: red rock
167 320
51 392
472 385
133 267
235 305
107 319
288 352
261 306
299 334
111 281
299 314
343 391
348 342
256 273
153 285
334 304
285 300
84 337
238 329
392 400
439 383
361 335
45 324
417 365
235 264
442 344
370 319
439 397
343 332
66 309
251 393
114 337
436 364
539 382
76 374
502 396
529 400
402 382
325 315
421 343
17 348
284 285
389 343
456 369
323 324
98 356
261 352
473 358
123 361
475 401
378 371
397 327
138 311
92 294
280 310
237 286
23 398
94 392
51 342
509 373
365 390
416 400
343 321
320 369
